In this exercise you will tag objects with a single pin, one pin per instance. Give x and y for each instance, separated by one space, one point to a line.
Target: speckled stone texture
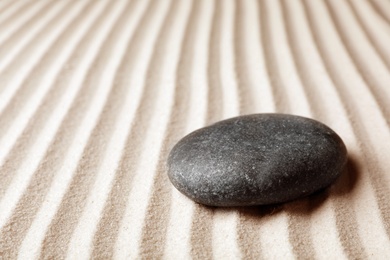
256 160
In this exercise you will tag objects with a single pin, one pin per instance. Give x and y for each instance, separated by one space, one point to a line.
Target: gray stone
256 160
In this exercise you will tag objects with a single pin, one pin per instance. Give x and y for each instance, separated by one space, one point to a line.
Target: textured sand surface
94 94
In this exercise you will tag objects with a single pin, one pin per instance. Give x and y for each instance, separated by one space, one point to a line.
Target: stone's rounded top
256 159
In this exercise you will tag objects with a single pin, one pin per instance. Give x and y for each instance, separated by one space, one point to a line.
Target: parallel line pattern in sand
94 94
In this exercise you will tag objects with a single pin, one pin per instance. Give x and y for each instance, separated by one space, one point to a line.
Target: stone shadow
306 205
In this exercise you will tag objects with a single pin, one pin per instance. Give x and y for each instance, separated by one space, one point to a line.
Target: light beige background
93 94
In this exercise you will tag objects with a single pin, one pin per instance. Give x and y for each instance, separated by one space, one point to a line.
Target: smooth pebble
256 159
